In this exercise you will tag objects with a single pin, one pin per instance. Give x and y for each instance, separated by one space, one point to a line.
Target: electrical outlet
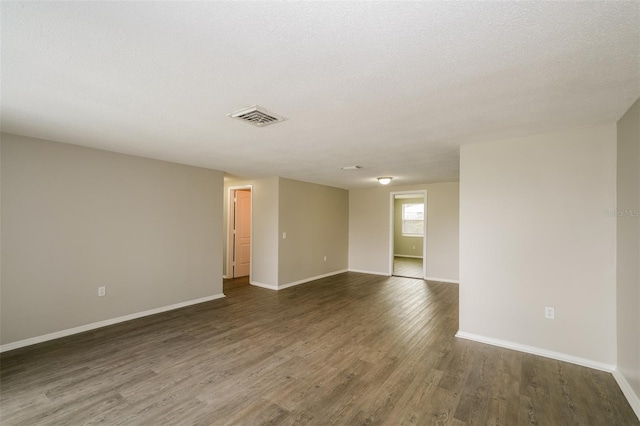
102 291
325 258
549 312
284 235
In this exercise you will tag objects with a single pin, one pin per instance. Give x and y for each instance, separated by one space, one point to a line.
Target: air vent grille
256 115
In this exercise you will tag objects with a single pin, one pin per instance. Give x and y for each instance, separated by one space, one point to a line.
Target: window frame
402 221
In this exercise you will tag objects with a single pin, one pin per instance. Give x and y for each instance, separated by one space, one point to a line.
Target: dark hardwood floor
232 283
350 349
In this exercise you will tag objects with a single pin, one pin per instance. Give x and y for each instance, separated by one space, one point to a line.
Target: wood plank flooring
409 267
352 349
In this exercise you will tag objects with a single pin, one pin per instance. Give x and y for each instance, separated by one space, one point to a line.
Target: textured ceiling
395 87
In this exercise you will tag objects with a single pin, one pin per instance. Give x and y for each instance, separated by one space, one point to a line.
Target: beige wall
443 237
628 248
405 246
264 264
534 233
369 236
75 218
316 220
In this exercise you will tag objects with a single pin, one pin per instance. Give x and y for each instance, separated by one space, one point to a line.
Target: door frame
230 246
392 195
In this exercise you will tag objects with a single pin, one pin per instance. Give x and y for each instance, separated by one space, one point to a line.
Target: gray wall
316 220
75 218
369 222
405 246
628 248
534 233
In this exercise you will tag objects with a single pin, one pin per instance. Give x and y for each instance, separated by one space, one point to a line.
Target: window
413 220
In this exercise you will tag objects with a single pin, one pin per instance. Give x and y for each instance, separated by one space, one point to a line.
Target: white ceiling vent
256 115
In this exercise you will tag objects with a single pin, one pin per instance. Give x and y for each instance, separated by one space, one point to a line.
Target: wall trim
407 255
443 280
263 285
537 351
628 392
294 283
360 271
306 280
92 326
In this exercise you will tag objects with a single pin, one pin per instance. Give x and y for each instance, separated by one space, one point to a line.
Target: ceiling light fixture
385 180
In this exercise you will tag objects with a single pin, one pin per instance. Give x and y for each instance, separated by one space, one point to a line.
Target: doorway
408 234
239 248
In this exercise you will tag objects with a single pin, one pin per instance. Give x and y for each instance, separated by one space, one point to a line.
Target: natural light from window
413 220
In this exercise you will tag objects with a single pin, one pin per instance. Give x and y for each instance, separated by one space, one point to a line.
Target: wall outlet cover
549 312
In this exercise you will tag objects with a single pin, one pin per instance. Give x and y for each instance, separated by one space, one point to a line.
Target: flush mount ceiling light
351 168
256 115
385 180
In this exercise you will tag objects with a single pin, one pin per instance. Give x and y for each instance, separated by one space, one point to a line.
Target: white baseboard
442 280
263 285
407 255
99 324
537 351
306 280
627 390
360 271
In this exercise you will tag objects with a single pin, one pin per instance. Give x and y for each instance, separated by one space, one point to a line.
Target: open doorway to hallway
408 227
239 237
